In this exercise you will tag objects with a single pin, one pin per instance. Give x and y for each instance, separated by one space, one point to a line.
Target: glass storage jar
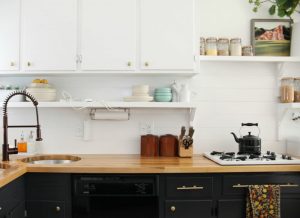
287 90
211 46
247 50
223 47
297 89
236 47
202 46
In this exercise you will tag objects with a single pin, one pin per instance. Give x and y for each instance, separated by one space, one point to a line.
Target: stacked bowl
163 95
139 93
41 90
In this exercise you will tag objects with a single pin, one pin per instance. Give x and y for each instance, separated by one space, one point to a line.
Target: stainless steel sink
51 159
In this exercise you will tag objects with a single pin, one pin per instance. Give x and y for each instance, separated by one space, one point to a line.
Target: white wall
228 94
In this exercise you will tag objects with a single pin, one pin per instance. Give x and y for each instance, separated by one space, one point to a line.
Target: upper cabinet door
167 34
108 34
49 34
9 34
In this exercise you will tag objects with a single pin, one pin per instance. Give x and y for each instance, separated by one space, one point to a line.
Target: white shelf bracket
192 112
280 117
280 67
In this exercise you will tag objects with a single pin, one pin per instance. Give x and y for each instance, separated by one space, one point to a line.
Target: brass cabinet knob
129 64
57 208
28 64
146 64
173 208
12 64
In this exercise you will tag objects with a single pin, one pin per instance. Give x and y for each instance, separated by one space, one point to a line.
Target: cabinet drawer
48 187
189 209
229 181
45 209
189 187
225 208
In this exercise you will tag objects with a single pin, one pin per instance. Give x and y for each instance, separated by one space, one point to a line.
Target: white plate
138 98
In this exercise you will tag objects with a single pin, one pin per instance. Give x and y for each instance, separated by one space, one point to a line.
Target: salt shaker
175 91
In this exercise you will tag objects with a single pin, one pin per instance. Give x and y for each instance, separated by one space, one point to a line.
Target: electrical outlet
79 131
146 127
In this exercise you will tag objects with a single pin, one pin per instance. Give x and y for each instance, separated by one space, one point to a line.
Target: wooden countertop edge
135 164
11 176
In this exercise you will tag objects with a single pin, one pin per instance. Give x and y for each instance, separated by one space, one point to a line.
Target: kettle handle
249 124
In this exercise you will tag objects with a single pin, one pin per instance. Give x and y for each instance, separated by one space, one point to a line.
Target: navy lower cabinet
220 196
188 208
48 195
231 199
188 196
12 199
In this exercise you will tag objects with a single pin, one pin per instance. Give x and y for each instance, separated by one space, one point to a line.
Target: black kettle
249 144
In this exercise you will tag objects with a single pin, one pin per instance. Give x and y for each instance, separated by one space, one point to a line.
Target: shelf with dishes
104 104
265 59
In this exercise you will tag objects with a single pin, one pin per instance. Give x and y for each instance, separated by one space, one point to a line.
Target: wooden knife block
183 152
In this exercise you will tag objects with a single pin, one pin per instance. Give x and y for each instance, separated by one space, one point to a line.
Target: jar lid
287 78
223 39
214 39
236 40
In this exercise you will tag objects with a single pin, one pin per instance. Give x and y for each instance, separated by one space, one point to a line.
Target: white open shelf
78 104
265 59
290 105
187 73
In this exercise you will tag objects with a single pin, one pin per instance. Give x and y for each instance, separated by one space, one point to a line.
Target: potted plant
283 8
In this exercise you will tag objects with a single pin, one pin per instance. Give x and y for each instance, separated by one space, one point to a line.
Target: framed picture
271 37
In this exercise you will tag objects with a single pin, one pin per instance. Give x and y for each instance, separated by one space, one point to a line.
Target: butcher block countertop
95 163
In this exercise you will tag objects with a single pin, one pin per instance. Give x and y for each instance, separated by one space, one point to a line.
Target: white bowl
140 89
42 94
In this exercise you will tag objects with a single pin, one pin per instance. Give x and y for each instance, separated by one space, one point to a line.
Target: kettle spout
235 137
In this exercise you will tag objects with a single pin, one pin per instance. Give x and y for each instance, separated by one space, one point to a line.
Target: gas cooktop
268 158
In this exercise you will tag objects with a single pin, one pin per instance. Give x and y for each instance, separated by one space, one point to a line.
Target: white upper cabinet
49 34
167 34
108 34
9 34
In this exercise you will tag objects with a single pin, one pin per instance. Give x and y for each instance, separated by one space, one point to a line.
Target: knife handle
191 131
182 132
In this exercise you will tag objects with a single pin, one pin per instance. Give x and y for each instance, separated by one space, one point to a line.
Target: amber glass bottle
22 144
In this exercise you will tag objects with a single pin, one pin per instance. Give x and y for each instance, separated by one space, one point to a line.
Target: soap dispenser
31 144
22 144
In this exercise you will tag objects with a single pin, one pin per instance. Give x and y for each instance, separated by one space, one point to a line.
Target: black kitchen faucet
6 150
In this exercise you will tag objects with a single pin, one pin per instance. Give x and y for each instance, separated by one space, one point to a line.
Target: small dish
138 98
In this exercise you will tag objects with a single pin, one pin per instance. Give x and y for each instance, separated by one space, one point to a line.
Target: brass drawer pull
57 208
194 187
173 208
283 185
